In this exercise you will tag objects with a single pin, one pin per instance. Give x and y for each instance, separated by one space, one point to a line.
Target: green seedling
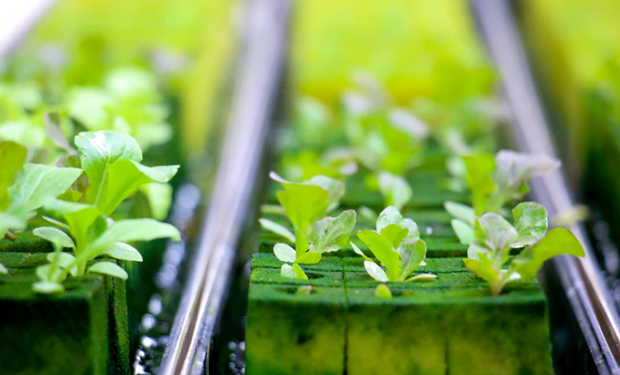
327 235
111 161
25 187
495 182
397 245
488 253
395 190
304 203
383 291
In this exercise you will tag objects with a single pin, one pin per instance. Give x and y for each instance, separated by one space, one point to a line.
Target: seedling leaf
375 271
108 268
284 253
278 229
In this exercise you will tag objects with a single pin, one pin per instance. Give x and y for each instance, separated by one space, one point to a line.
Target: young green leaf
285 253
530 223
293 272
159 197
55 236
122 251
278 229
463 231
397 246
376 272
108 268
479 179
461 212
514 168
135 230
499 233
13 156
3 270
383 291
331 234
38 185
47 287
558 241
303 203
395 190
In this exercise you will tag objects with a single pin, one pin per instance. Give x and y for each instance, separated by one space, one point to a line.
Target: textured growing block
315 278
328 263
53 335
453 331
296 334
21 257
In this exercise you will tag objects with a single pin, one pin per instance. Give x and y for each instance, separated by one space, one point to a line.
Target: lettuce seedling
494 182
397 245
327 235
395 190
111 161
488 253
24 188
305 202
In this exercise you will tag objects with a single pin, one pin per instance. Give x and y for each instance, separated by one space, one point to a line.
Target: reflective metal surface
255 92
581 278
16 19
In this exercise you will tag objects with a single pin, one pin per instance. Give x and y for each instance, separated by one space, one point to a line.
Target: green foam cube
56 334
315 278
458 331
296 334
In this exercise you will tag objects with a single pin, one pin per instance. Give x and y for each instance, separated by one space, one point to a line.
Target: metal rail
254 98
16 19
584 285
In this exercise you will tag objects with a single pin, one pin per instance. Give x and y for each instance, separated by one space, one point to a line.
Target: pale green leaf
530 223
293 272
100 149
38 185
284 253
514 168
47 287
482 269
412 254
383 291
375 271
558 241
382 249
463 231
358 251
389 215
159 197
309 258
479 174
500 234
10 222
395 233
3 270
422 277
125 177
108 268
13 157
304 204
123 251
135 230
278 229
330 234
55 236
461 212
395 190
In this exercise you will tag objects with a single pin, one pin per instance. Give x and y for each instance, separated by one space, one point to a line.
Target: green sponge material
455 331
328 263
55 334
296 334
315 278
